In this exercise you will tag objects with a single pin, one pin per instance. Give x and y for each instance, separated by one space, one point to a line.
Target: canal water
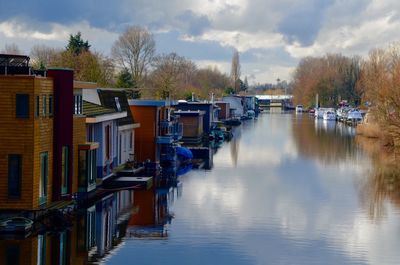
285 190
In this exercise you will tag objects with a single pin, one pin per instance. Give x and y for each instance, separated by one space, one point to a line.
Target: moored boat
299 108
354 116
329 115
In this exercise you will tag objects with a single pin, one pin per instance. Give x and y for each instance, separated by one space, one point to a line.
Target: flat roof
149 103
190 112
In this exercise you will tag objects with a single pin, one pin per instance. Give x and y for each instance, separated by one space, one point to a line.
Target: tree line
372 82
133 63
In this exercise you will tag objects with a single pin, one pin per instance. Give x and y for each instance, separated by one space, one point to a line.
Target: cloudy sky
271 35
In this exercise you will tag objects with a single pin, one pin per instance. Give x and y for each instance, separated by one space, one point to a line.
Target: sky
271 36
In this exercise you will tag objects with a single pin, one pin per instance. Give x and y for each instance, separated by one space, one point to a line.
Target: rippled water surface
285 190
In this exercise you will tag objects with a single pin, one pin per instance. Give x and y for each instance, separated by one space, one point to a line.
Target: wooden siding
27 250
79 137
145 135
43 142
192 125
27 137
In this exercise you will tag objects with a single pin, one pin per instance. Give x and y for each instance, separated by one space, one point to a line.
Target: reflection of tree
328 142
383 184
234 144
234 150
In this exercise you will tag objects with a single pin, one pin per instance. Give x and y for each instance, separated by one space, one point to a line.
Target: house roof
93 110
118 101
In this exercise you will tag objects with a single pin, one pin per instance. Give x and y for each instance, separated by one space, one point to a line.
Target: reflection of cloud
303 205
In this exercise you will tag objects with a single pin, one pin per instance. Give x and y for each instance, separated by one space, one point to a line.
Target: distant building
236 104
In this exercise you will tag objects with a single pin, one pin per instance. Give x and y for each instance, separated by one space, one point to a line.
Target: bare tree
43 56
167 74
235 71
11 49
135 50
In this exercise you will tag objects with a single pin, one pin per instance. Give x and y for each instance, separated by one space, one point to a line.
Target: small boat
183 153
319 113
299 108
16 225
329 115
354 116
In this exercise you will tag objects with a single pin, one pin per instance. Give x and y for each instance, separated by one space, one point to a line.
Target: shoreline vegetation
371 83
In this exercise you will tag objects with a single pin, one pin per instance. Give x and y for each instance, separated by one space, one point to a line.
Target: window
64 169
87 170
131 140
117 103
90 133
78 104
51 105
120 148
44 105
44 172
22 106
12 254
63 248
108 141
14 176
37 106
41 250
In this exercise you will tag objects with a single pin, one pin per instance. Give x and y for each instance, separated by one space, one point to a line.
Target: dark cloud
99 13
303 25
195 24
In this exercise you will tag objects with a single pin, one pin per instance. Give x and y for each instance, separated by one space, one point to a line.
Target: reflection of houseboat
329 115
152 215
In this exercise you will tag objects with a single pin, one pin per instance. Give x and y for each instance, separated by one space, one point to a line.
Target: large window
87 170
44 173
22 106
14 176
64 169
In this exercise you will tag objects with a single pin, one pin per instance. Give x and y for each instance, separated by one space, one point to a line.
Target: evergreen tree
124 79
76 45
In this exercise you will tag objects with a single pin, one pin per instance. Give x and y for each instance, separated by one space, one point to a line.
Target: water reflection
327 141
267 200
380 189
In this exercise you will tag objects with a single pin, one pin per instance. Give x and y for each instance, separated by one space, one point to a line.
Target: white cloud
14 31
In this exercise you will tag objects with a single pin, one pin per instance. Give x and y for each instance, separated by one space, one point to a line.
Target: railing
171 129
